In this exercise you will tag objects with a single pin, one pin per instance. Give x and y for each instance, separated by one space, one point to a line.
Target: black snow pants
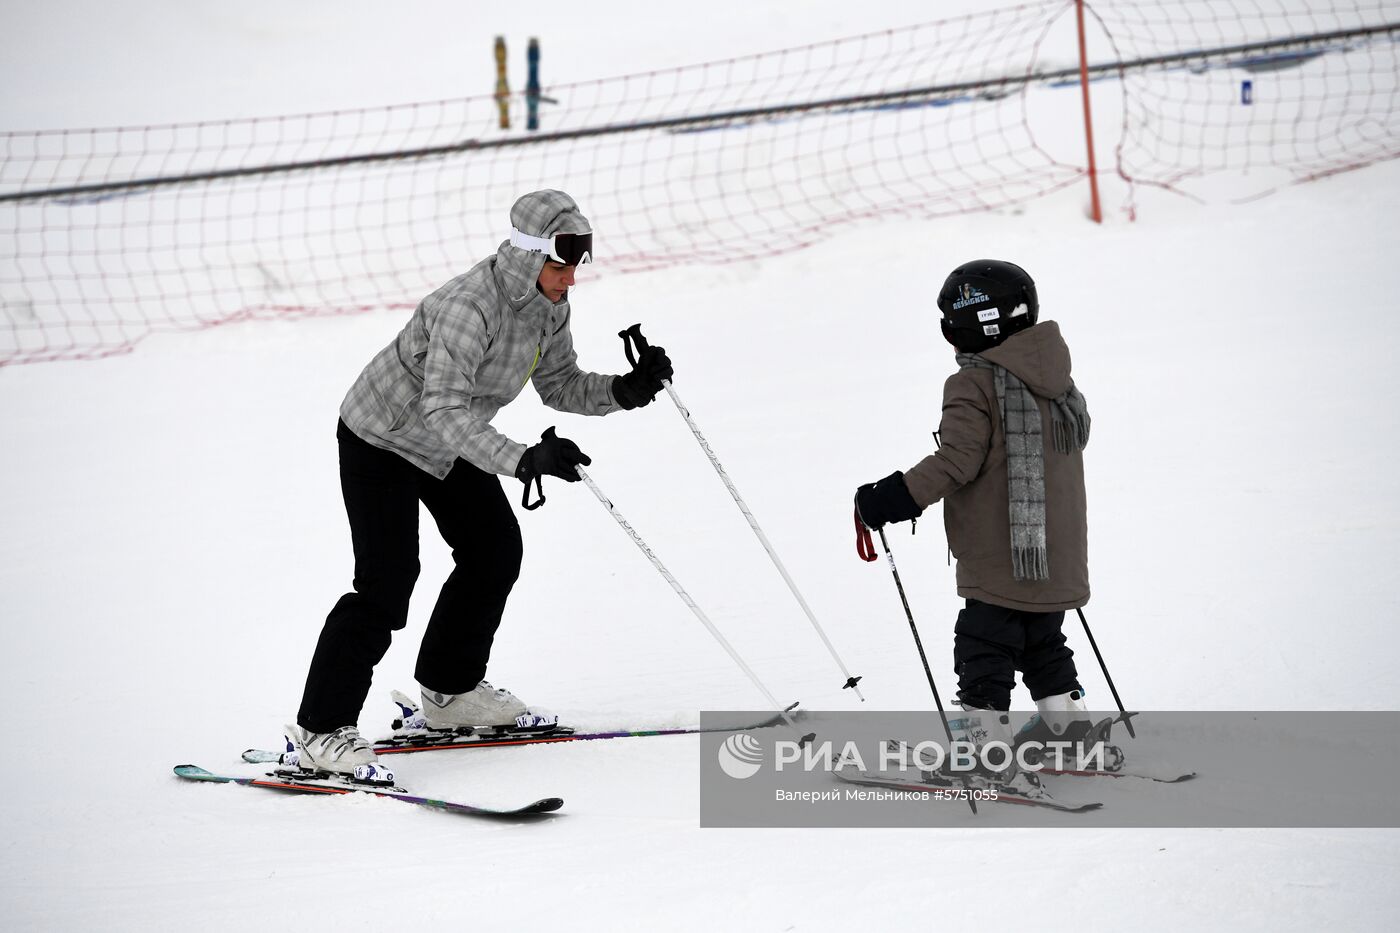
991 643
382 491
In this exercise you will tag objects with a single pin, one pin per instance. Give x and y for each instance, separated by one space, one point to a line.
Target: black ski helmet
985 301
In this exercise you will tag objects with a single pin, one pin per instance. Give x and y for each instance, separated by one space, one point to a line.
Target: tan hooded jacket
968 473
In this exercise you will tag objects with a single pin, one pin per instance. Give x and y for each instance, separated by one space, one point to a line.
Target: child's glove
886 501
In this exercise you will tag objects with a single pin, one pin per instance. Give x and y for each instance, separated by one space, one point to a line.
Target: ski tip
540 807
261 756
190 771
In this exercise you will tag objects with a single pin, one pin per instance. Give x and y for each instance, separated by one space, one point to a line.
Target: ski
289 785
1161 776
430 741
1046 802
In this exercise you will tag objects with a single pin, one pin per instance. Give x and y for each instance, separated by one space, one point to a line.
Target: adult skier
1009 470
416 427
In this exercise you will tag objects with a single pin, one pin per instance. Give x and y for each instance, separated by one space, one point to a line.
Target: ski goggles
571 249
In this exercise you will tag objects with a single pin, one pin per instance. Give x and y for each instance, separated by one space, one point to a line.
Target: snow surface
173 535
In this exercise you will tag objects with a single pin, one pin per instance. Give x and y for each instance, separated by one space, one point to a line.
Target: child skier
1010 471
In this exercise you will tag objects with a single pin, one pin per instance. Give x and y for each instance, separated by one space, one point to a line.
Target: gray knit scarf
1025 459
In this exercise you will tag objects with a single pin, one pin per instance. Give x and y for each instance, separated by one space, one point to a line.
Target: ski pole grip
865 547
629 336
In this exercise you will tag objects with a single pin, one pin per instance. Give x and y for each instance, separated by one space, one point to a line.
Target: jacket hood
1038 356
539 213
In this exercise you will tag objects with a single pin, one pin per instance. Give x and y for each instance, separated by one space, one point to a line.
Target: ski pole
918 643
1126 718
685 597
634 334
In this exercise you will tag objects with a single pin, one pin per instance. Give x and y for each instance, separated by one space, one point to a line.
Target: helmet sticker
970 296
990 314
1019 310
991 330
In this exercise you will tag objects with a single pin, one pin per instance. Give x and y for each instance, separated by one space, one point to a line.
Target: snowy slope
173 536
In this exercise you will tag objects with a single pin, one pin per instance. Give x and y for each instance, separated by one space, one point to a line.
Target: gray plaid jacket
469 349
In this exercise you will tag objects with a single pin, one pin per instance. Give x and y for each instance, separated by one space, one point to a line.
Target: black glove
877 504
637 388
552 456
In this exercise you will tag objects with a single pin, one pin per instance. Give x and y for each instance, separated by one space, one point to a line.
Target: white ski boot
483 706
996 767
1065 718
342 753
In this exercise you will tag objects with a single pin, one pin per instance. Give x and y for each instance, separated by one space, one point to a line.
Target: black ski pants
991 643
382 491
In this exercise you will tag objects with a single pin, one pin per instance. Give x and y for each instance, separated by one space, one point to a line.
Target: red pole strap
864 546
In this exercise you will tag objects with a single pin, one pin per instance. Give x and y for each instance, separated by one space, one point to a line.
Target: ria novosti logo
741 756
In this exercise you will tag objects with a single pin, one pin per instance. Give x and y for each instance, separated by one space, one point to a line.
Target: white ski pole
680 591
634 333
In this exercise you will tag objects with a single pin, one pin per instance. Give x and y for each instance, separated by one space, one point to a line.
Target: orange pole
1095 213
